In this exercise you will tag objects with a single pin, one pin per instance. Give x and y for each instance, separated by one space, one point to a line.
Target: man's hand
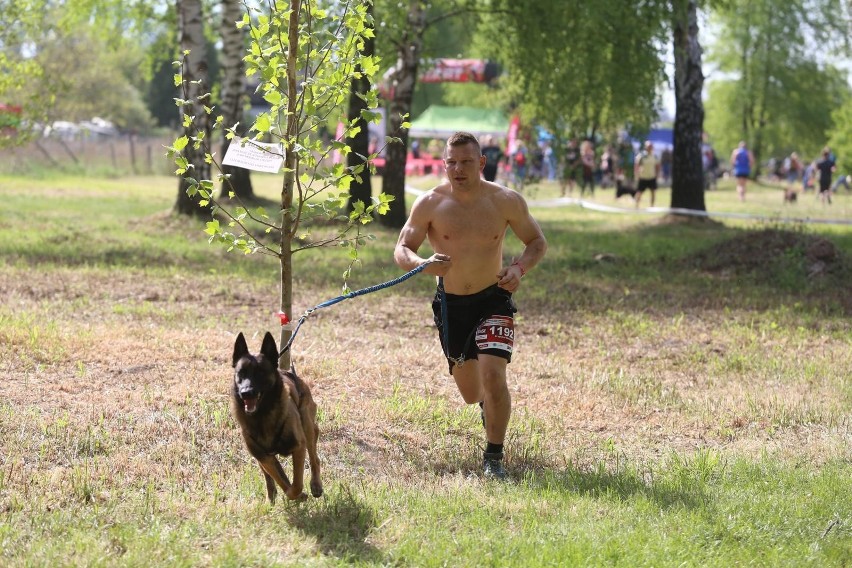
510 277
439 265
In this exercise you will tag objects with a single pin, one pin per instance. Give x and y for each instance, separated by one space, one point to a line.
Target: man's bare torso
470 229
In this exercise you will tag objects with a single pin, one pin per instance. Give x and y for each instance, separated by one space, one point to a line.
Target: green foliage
75 60
305 72
578 66
781 93
841 137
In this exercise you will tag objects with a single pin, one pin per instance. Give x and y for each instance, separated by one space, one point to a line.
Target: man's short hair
462 139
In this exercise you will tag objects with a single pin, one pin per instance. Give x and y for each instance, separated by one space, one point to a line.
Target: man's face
463 165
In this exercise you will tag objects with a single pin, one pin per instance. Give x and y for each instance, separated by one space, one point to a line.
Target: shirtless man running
465 219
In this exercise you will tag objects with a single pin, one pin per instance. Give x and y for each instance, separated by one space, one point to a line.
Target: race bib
496 332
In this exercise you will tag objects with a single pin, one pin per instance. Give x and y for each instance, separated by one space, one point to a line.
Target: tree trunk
360 190
402 84
195 86
687 169
290 174
233 94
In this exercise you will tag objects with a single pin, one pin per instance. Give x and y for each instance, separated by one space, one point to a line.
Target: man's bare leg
498 401
484 380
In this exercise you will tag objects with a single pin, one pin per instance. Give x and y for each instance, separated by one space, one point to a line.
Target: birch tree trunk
195 85
233 93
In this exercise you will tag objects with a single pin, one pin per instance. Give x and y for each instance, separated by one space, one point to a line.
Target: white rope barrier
562 201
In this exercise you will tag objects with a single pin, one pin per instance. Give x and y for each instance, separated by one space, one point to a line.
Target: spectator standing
587 159
826 168
742 162
794 171
711 164
571 167
607 167
549 161
647 170
519 166
666 165
625 158
808 177
493 155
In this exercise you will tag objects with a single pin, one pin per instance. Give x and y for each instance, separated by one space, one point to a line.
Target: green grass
667 411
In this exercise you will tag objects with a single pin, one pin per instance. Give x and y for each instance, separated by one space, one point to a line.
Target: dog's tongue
250 404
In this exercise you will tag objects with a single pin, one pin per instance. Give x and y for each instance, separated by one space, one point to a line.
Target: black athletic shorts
644 184
478 323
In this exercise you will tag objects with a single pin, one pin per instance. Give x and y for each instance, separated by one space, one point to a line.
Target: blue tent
661 136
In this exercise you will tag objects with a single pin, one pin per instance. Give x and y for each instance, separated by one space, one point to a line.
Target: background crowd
585 165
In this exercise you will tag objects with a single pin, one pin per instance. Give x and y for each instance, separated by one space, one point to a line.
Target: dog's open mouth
250 404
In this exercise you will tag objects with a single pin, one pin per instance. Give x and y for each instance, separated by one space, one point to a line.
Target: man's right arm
412 236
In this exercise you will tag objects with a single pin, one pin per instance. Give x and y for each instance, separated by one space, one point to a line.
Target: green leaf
261 123
181 143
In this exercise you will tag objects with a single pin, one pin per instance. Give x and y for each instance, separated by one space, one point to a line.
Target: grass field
682 393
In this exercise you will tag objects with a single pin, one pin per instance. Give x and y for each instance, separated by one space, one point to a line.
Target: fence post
133 153
47 154
68 150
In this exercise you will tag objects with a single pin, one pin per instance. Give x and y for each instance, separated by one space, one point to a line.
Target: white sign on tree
257 156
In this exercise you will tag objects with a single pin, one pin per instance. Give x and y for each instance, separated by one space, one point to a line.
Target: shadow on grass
623 485
341 524
673 486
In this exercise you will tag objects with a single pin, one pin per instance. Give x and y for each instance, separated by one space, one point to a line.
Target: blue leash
445 324
444 321
361 292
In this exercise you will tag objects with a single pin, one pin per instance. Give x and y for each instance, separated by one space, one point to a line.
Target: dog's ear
269 349
240 348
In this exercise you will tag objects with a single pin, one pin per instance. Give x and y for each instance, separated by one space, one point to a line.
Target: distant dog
624 187
277 416
790 196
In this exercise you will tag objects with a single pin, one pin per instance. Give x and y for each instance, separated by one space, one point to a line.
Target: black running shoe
492 467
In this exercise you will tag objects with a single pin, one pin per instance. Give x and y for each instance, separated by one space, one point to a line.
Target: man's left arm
535 245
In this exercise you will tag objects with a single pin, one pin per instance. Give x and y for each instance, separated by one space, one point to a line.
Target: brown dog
790 196
277 416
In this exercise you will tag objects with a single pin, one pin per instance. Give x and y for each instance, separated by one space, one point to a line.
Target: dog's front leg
309 425
295 490
272 469
271 490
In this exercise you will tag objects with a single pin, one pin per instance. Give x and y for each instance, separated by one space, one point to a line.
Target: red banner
446 71
454 71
